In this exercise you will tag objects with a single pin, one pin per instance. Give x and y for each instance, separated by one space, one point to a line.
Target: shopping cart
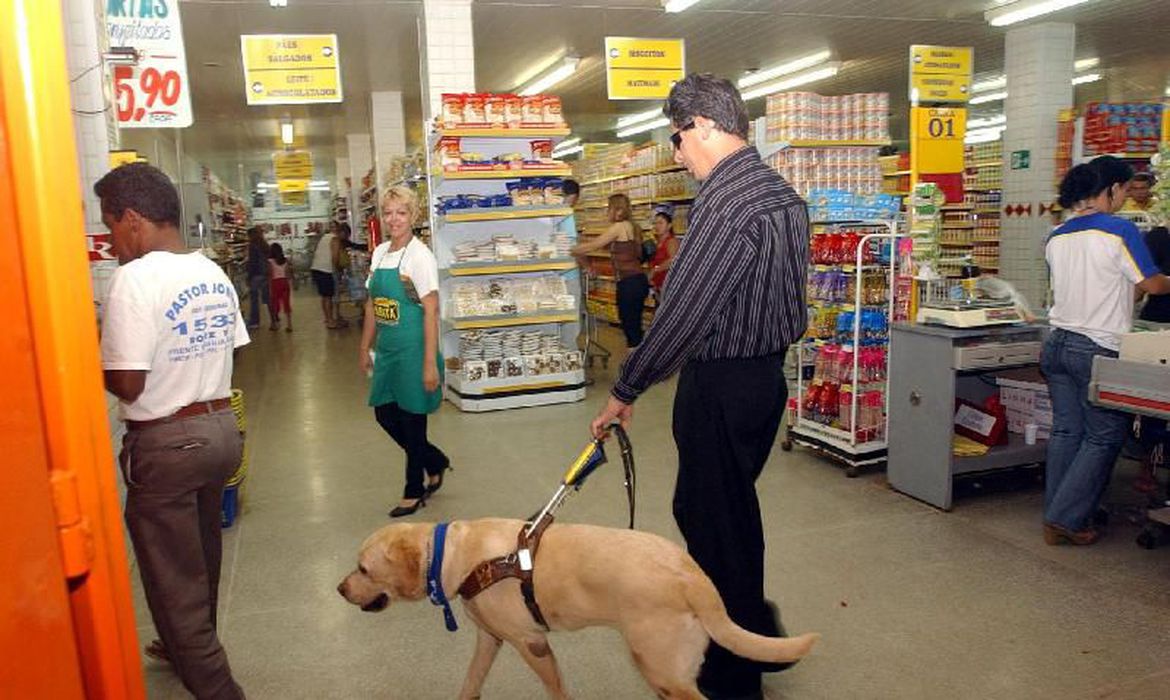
592 347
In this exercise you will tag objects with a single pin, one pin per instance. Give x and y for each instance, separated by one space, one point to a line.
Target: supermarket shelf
463 324
502 174
898 173
956 225
985 212
504 214
984 164
956 207
535 132
954 244
518 392
369 190
503 268
633 173
1137 155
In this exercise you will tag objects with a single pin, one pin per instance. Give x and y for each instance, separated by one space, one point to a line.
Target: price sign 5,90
151 96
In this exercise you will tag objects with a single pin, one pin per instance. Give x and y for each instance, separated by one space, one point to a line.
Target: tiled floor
911 602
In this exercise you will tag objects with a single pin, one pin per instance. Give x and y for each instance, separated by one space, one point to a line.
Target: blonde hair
620 208
403 194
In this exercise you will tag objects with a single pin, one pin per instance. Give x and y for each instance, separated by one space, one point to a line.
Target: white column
388 129
361 158
95 133
1039 67
448 51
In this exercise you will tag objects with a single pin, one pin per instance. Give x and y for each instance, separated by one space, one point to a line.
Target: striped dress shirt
737 287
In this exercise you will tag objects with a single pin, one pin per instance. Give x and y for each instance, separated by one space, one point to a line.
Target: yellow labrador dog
644 586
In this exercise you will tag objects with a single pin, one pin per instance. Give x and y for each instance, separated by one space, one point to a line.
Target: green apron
398 347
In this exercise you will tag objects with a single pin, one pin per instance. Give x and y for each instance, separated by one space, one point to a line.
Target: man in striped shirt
735 303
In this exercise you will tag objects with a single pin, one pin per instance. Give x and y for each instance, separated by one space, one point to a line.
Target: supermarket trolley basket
592 348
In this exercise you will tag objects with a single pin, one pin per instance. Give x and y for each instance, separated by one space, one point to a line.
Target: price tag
153 93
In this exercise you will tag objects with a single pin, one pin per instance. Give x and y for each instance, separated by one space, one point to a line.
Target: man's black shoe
716 695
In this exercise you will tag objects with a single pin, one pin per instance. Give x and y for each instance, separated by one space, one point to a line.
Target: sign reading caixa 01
154 92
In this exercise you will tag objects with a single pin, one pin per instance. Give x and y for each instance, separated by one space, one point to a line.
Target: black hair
276 252
1145 177
705 95
141 187
1088 180
668 217
570 187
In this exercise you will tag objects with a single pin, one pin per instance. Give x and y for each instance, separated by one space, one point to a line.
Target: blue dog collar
434 577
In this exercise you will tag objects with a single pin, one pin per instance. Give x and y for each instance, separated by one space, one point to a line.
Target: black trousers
631 303
409 430
726 415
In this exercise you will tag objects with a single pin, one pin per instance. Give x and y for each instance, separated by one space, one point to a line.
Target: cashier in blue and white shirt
1098 264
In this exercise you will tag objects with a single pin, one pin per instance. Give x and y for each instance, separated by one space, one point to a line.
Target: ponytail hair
1088 180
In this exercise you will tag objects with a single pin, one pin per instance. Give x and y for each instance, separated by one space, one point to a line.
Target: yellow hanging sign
936 139
291 68
643 69
117 158
292 186
940 73
293 165
940 88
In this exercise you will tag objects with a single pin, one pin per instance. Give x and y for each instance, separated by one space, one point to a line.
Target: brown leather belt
198 408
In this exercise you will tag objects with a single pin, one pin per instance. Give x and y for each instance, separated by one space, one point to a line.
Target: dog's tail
708 607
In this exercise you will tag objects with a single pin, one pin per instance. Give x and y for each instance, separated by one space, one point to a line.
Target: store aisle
911 602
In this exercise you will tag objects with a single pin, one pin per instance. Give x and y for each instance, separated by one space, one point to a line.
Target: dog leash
592 457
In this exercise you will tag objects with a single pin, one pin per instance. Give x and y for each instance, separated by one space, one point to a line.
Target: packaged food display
510 296
848 169
470 110
807 116
1122 127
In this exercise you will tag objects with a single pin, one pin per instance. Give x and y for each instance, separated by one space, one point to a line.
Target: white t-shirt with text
177 316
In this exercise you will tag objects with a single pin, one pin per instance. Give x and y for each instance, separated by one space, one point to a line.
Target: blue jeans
257 295
1086 439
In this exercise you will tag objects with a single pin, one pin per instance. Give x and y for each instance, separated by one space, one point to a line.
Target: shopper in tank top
666 246
624 240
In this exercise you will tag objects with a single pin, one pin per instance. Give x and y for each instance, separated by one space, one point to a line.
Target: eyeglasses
676 137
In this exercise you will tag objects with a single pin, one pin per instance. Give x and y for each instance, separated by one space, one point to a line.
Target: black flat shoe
400 511
435 486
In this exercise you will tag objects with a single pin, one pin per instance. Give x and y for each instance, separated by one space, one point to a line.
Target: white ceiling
379 51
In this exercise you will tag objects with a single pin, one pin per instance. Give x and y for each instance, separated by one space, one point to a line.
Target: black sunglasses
676 137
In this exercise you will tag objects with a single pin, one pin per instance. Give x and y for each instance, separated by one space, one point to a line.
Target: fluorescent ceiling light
810 76
984 135
286 133
278 3
1086 64
1025 10
677 5
568 151
567 67
991 97
639 128
998 82
762 76
984 122
639 117
1087 78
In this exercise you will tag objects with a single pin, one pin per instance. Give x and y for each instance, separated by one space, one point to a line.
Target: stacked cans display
807 116
853 169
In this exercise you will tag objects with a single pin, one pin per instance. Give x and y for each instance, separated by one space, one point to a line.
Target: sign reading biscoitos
291 69
643 69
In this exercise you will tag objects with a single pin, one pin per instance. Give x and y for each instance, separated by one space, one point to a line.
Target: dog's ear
405 557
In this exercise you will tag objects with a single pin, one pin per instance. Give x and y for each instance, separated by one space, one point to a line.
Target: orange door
66 621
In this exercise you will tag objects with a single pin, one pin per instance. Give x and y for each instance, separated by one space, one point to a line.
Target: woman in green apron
399 348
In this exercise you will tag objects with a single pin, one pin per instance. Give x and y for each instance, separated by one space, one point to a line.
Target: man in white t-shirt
169 327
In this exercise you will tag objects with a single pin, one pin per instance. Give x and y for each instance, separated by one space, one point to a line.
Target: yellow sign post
291 69
643 69
293 165
940 73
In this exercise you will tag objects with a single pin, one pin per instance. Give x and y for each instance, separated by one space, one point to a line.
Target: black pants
409 430
631 303
726 415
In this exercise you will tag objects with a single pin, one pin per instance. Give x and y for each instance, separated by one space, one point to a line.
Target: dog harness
519 564
516 565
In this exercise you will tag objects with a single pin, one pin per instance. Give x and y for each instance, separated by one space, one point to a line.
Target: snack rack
841 405
545 376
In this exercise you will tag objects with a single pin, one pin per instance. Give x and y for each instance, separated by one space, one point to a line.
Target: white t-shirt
176 316
414 261
323 255
1095 260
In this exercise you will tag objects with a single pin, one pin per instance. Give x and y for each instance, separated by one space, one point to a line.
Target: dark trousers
174 475
409 430
631 303
726 415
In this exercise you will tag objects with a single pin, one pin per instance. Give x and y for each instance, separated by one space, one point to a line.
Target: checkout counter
1139 382
934 368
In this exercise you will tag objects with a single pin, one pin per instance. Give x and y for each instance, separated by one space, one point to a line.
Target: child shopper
279 293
